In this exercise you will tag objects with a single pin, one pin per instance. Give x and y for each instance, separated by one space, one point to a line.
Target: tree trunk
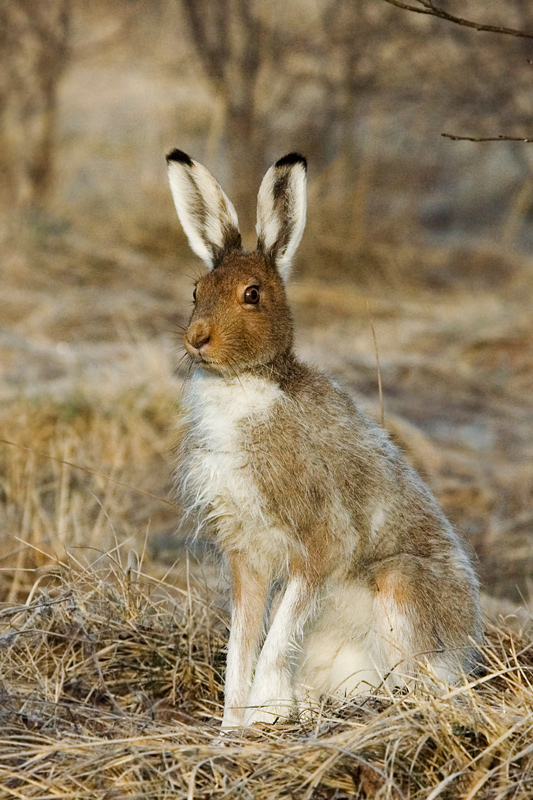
34 39
246 167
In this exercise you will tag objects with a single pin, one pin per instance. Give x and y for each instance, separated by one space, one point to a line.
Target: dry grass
111 687
48 504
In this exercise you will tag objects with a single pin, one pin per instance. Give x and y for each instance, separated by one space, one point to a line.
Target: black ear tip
290 159
180 157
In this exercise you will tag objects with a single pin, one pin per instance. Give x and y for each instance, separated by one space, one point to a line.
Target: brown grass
111 687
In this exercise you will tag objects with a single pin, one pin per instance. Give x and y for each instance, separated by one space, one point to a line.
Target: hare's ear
281 206
207 216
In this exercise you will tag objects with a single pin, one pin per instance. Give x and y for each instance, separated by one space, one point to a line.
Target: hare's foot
271 700
278 711
232 719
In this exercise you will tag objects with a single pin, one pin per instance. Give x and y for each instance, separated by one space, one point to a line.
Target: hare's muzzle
197 339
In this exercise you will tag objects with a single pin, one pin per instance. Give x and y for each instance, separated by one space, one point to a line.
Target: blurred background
417 245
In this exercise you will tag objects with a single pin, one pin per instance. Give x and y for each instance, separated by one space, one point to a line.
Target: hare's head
241 319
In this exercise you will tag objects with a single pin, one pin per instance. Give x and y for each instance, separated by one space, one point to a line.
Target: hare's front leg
272 694
249 597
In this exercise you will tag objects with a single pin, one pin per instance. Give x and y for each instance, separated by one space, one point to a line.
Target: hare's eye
251 295
194 294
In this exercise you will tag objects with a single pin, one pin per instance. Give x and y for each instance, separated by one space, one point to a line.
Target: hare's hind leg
341 654
426 621
403 622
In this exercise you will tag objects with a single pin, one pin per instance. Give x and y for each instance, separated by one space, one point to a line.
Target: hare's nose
201 340
198 336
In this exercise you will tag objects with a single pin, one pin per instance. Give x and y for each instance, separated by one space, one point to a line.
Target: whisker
233 367
184 359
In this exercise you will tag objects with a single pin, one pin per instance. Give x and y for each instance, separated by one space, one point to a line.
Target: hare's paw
270 700
232 719
278 711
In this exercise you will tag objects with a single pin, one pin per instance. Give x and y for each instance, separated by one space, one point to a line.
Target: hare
302 490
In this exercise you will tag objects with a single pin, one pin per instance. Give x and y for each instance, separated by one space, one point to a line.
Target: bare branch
500 138
210 34
428 7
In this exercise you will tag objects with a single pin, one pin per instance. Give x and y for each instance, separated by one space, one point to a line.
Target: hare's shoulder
324 402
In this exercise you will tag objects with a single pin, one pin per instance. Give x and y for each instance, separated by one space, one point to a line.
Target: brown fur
242 335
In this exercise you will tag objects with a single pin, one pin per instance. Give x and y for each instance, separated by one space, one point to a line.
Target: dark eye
251 295
194 294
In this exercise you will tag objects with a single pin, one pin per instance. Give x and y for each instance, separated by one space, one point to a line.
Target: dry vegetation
111 688
112 637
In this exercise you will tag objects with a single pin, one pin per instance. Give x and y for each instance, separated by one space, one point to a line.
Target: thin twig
380 387
500 138
90 472
428 7
10 612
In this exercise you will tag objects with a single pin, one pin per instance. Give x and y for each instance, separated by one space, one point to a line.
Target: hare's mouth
210 364
204 361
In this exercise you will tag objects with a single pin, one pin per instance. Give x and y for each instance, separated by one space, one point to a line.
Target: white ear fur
281 207
205 212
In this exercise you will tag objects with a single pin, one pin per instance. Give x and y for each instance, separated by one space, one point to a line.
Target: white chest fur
217 406
216 480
